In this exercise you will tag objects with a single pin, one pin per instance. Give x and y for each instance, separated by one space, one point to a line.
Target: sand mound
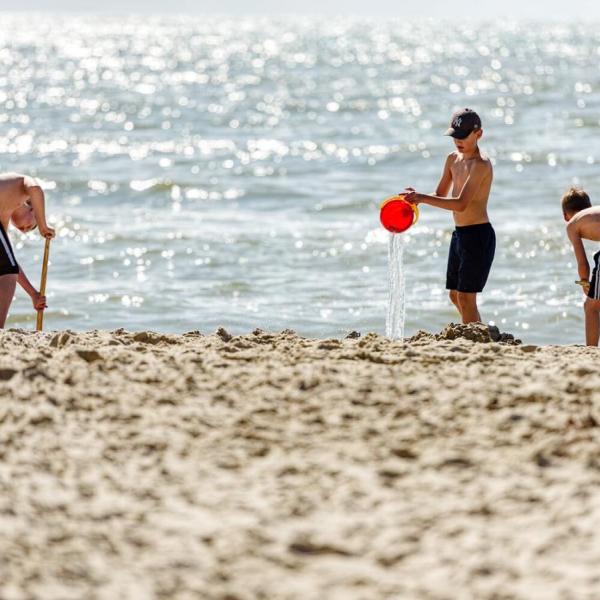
143 465
474 332
477 332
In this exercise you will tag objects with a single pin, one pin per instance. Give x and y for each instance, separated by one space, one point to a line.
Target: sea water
394 325
205 172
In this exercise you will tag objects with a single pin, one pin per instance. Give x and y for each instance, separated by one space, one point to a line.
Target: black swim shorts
8 262
594 292
472 250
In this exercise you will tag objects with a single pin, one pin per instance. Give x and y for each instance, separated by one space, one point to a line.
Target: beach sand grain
143 465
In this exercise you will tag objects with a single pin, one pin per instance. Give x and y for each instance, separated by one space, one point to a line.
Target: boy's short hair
574 200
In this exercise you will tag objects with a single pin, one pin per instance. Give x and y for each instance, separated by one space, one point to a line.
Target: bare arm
583 266
458 203
25 283
443 187
38 203
39 301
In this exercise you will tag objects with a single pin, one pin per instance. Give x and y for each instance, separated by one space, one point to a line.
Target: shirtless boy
583 223
468 177
22 202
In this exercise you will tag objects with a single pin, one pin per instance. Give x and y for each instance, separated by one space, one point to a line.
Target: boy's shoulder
18 181
9 175
482 159
587 214
585 222
481 164
10 179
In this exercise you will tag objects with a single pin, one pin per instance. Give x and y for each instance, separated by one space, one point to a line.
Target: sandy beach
269 466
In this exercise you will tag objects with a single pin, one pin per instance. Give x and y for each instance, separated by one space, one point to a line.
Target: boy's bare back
585 224
12 194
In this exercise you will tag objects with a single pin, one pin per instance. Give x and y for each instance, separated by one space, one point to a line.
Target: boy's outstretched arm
38 202
460 202
39 301
583 266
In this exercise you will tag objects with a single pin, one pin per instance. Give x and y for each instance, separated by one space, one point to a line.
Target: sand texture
269 466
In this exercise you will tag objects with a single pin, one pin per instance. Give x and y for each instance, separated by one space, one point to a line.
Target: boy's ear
479 133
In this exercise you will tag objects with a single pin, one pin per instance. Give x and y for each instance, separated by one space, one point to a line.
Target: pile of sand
139 465
475 332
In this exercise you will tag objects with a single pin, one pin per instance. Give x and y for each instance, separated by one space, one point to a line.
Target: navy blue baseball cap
464 123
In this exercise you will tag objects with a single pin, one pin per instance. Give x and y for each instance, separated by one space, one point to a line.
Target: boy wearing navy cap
468 177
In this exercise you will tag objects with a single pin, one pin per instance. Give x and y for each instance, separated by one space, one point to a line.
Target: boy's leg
591 308
8 283
453 295
452 270
478 245
467 304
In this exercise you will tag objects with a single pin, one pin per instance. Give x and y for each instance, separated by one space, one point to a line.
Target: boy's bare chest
460 172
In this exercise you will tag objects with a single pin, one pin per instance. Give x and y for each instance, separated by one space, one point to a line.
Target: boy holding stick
22 203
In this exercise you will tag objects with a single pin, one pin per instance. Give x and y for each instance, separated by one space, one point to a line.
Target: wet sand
269 466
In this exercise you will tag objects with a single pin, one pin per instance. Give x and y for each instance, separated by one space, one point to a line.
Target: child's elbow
461 206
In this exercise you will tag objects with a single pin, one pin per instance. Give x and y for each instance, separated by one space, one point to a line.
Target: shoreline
137 464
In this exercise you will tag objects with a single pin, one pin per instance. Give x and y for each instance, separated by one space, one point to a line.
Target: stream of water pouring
394 326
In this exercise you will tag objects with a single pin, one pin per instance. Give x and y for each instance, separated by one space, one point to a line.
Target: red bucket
397 214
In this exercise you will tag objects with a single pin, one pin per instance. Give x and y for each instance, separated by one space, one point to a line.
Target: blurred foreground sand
141 466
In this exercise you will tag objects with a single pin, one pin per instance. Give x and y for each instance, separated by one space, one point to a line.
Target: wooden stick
40 313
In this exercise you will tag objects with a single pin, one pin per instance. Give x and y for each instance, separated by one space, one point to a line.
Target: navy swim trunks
594 292
8 262
472 250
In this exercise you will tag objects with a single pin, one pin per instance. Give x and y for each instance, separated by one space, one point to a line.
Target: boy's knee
591 305
453 295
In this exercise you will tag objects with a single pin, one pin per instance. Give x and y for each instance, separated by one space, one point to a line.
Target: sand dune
140 465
